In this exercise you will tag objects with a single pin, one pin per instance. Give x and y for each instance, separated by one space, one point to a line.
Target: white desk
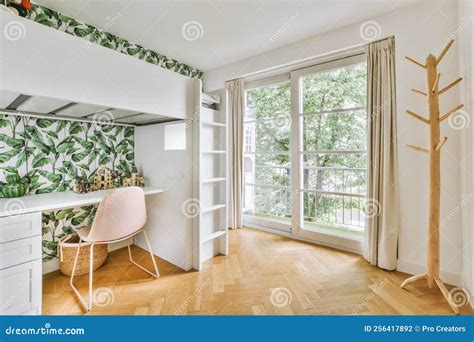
21 245
55 201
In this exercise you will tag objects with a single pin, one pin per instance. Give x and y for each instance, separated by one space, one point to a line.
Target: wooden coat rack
434 152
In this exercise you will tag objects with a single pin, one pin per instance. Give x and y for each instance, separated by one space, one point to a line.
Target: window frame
297 152
295 228
252 220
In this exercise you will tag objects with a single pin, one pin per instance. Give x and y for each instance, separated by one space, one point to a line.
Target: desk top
56 200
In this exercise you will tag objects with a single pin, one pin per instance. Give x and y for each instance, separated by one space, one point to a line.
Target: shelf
214 207
213 124
214 180
214 152
215 235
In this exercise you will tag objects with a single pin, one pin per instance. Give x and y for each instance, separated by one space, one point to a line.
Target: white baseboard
50 266
53 265
409 267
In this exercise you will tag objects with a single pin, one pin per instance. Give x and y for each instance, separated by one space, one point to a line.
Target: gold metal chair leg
156 274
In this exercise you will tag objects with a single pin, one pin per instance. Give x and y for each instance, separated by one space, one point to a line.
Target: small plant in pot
15 185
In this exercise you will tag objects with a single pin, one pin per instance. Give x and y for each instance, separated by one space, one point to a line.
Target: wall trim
412 268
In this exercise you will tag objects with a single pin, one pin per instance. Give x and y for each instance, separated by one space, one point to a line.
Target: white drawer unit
20 251
20 226
20 289
20 264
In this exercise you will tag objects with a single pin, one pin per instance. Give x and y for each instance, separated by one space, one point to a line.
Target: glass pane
267 169
344 173
268 102
334 145
335 89
267 202
268 136
267 153
339 131
333 214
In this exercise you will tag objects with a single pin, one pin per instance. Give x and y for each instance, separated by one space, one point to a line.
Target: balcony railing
332 196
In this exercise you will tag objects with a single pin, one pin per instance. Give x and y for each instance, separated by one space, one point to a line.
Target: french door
305 153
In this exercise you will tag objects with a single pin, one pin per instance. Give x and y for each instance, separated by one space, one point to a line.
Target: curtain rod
356 49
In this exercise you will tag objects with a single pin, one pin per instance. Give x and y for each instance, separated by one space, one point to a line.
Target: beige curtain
382 208
236 136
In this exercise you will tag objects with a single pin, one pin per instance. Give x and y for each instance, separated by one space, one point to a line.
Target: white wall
418 30
466 68
170 232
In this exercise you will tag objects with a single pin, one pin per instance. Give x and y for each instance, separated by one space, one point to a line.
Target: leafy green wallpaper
59 21
52 152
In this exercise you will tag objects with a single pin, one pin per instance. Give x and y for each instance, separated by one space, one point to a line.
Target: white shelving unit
210 179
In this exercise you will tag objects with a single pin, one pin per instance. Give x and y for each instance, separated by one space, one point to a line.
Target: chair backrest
120 214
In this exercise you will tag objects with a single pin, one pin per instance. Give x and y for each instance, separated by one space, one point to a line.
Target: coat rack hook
416 62
449 86
445 50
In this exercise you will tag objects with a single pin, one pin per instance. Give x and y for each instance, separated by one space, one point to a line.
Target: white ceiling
232 29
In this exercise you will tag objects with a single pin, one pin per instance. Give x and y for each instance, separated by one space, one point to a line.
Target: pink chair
120 215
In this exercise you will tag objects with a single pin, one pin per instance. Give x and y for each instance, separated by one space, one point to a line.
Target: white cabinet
20 264
20 289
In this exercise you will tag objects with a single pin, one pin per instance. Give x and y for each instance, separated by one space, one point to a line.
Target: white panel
175 136
7 97
20 251
81 110
82 72
168 229
20 289
41 104
19 226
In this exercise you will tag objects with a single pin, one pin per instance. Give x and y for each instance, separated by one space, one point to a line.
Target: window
308 172
334 150
266 152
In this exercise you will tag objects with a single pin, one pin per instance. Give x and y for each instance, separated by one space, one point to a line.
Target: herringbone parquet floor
264 274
